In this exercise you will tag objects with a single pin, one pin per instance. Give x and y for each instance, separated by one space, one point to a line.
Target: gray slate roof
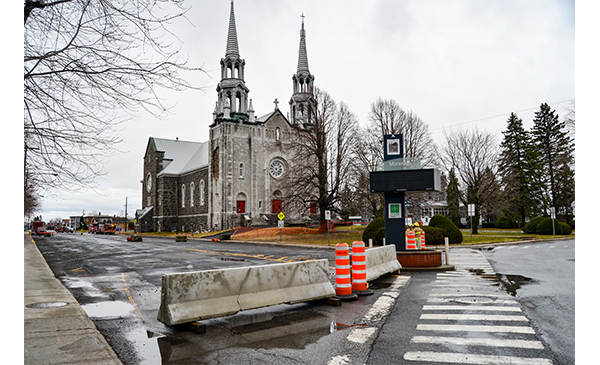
181 156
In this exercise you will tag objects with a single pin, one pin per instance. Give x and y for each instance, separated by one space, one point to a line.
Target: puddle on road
287 330
510 283
109 310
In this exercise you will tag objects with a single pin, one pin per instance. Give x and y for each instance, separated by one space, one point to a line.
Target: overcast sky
456 64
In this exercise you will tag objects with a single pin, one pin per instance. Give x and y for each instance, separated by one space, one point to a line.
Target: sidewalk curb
56 329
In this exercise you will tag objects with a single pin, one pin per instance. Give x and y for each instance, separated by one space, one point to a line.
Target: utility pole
126 220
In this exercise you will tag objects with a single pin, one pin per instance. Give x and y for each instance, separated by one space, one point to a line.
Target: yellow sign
280 215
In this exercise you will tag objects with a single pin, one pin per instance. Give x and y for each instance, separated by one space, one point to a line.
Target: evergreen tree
555 148
519 174
453 198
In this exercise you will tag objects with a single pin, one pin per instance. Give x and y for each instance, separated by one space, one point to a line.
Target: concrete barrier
193 296
380 261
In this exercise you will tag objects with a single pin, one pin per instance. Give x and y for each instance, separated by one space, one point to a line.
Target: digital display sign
405 180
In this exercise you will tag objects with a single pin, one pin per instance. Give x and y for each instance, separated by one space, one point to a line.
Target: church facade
237 177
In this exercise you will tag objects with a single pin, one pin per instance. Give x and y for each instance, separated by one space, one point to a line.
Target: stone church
236 177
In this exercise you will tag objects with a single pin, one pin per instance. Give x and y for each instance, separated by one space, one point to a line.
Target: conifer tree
555 148
519 172
453 198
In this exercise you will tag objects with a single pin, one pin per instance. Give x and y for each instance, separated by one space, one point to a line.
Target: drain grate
43 305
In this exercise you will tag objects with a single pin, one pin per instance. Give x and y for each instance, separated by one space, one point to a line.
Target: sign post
280 223
327 219
553 216
471 214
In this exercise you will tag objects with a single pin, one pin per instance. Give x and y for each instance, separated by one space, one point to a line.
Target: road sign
280 224
471 210
328 215
280 215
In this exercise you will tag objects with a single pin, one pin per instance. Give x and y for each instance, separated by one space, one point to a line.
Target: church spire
232 42
232 93
302 56
303 103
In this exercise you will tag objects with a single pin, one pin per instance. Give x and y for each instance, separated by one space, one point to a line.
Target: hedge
450 229
531 226
373 231
545 227
434 235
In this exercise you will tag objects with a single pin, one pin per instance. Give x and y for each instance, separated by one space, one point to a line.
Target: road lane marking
470 328
137 311
491 342
454 358
471 308
473 317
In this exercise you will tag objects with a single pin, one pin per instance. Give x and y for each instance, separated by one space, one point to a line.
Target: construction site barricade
411 241
343 284
359 267
423 240
380 261
192 296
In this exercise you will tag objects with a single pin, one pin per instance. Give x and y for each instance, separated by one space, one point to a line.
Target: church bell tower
303 103
232 93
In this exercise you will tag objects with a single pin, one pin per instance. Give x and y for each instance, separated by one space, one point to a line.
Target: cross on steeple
276 103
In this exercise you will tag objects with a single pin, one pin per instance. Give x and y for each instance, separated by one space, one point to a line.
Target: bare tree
387 117
323 151
88 66
473 156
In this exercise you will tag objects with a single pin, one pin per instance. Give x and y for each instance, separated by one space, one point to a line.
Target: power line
499 115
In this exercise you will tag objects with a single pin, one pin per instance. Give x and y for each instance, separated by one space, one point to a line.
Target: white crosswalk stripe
468 319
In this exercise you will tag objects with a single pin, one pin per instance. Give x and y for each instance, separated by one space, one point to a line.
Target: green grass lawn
348 234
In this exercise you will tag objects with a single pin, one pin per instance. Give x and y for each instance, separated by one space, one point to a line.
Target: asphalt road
542 278
118 284
518 310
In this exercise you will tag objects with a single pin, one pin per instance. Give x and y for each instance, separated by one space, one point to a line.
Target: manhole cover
472 300
46 305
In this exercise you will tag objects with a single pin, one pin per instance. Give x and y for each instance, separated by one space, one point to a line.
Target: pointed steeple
232 93
302 56
303 103
232 42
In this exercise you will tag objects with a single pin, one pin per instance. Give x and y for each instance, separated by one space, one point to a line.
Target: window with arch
241 171
277 134
183 196
201 192
192 194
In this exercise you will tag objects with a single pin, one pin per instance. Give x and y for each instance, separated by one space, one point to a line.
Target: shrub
531 226
433 235
372 230
450 229
379 235
545 227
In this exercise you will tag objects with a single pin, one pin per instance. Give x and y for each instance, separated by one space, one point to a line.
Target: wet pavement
117 283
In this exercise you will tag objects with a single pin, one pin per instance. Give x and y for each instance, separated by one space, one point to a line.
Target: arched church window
277 134
241 171
192 194
201 192
183 196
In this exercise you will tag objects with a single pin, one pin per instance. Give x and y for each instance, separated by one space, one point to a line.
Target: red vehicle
106 226
39 227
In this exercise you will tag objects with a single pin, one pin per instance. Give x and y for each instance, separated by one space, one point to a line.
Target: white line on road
470 308
467 328
492 342
448 357
473 317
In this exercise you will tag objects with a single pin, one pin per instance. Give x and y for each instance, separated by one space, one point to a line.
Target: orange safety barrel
423 240
359 266
343 285
411 241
